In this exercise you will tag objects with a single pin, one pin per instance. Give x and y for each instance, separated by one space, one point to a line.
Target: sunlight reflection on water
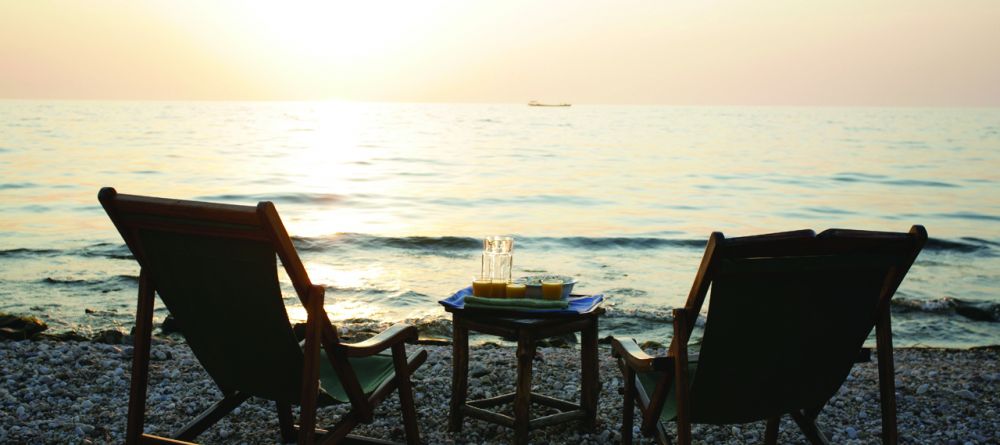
358 181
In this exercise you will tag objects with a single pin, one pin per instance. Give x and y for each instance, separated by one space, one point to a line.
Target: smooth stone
966 394
109 336
478 371
851 432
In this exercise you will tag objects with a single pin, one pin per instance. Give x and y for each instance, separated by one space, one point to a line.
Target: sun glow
338 310
310 45
371 277
332 146
785 52
340 283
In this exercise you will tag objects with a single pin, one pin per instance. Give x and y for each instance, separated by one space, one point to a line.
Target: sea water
387 203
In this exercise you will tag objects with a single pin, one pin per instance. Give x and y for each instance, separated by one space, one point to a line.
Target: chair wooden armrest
637 359
396 334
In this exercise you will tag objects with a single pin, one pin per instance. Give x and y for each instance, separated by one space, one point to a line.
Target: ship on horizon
536 103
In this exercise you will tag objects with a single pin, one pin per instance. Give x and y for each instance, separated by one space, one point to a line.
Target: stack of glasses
494 280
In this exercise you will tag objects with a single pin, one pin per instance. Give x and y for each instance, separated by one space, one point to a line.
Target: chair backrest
214 267
788 315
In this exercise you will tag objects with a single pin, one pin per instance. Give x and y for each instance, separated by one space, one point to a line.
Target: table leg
522 399
459 374
589 380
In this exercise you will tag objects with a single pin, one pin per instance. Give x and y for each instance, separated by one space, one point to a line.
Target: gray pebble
966 394
478 371
851 432
179 388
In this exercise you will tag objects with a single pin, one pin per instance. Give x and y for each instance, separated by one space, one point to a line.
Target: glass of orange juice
516 290
498 288
552 289
481 287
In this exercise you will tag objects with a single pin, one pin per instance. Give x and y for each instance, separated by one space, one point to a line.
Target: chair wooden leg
310 369
809 428
661 435
210 416
771 430
886 377
359 440
629 406
285 422
405 389
140 360
680 377
338 433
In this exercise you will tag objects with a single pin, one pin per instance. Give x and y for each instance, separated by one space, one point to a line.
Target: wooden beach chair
788 315
214 267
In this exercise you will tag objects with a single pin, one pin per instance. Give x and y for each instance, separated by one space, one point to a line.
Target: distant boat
536 103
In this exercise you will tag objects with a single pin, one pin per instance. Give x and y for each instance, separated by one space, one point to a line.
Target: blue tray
578 304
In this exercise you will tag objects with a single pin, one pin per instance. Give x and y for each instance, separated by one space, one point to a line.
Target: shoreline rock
20 327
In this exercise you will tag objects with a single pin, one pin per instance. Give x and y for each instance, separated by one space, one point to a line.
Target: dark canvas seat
214 266
787 317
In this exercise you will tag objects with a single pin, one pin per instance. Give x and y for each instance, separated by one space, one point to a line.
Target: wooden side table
527 331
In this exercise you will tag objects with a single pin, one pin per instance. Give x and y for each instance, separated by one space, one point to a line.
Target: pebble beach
76 392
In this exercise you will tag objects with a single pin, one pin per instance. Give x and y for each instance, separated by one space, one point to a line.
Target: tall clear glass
497 261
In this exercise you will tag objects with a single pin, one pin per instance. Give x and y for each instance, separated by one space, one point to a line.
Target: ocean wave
112 251
852 177
26 252
635 243
967 245
363 241
627 292
973 310
297 198
18 185
523 200
73 281
970 215
450 244
111 280
651 316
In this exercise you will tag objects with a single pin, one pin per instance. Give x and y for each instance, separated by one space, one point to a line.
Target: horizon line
472 102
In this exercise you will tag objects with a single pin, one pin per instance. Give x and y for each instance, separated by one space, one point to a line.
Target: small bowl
533 285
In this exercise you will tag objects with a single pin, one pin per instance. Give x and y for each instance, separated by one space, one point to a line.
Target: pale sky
675 52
